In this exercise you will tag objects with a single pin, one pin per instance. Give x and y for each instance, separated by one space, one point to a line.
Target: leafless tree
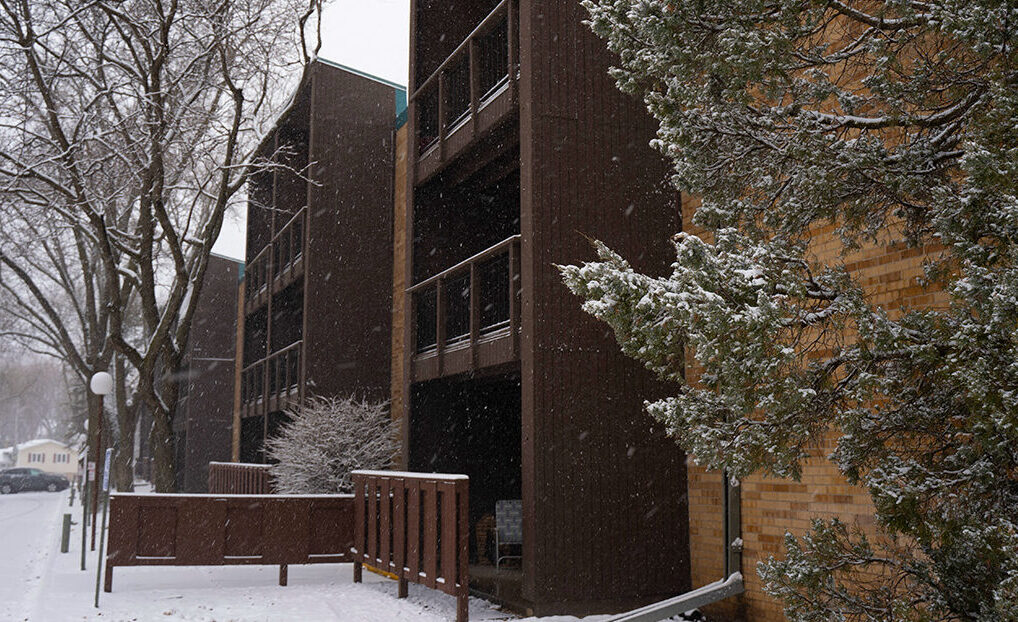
127 130
33 400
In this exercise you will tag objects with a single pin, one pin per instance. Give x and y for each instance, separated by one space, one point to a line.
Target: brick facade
889 273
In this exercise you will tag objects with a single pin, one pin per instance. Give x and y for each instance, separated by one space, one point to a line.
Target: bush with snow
326 438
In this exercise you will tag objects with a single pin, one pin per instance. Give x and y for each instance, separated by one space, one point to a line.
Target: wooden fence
239 478
216 530
415 526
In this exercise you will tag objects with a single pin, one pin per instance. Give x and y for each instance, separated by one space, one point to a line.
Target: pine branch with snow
895 123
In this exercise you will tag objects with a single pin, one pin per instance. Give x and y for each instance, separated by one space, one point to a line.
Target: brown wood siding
604 496
348 295
399 250
205 415
238 367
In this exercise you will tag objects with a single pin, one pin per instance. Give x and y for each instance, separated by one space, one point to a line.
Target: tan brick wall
399 247
888 273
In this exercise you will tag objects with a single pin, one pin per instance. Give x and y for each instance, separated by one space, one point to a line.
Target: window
61 458
36 458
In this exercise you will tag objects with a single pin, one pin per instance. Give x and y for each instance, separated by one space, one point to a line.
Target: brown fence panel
239 478
415 526
219 530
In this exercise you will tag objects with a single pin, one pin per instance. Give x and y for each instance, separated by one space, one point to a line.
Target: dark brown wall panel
205 416
604 494
349 259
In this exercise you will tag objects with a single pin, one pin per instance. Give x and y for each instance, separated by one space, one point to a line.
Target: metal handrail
299 214
265 364
292 346
488 252
260 253
476 32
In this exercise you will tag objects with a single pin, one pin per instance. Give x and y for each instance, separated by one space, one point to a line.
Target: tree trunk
123 457
96 419
127 422
161 441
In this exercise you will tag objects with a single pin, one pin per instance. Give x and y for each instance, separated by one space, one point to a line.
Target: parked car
19 480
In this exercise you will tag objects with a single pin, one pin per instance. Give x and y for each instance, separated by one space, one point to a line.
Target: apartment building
518 148
204 417
316 305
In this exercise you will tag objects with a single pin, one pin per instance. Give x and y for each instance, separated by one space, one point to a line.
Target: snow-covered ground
38 583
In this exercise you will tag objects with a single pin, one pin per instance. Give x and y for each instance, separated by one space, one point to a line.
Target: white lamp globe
102 383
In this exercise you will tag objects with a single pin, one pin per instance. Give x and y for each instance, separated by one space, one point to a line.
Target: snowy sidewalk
29 534
39 584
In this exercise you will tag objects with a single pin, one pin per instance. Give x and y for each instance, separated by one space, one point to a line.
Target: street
29 536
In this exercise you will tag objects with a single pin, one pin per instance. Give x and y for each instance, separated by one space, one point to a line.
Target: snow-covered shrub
326 438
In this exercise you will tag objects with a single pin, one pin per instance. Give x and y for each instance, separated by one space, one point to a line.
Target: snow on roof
37 442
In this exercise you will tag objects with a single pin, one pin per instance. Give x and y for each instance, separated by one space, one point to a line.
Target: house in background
316 308
519 146
49 456
203 419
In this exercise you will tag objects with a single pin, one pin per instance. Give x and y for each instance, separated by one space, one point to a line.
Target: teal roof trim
400 90
400 108
362 74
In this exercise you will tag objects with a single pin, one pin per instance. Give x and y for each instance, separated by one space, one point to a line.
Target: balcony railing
281 260
288 245
283 369
468 316
457 102
276 376
256 275
252 383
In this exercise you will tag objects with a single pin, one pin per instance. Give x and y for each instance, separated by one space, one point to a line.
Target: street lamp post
102 385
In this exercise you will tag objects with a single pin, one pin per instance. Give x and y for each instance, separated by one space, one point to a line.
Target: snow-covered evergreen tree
326 438
897 123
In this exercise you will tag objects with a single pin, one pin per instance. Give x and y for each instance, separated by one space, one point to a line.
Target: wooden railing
476 71
277 375
218 530
239 478
415 526
472 302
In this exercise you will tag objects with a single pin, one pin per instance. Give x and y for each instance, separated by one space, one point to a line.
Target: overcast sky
370 35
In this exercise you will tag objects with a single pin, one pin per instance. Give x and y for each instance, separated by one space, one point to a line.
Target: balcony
279 264
468 317
272 383
471 92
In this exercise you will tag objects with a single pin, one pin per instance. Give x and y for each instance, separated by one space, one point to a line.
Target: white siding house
49 456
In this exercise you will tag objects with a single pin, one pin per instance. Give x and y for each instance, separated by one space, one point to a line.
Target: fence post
65 534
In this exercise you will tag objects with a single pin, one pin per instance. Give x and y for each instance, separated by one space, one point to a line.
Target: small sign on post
102 530
106 470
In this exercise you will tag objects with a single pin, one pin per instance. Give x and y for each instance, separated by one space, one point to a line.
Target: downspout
730 585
